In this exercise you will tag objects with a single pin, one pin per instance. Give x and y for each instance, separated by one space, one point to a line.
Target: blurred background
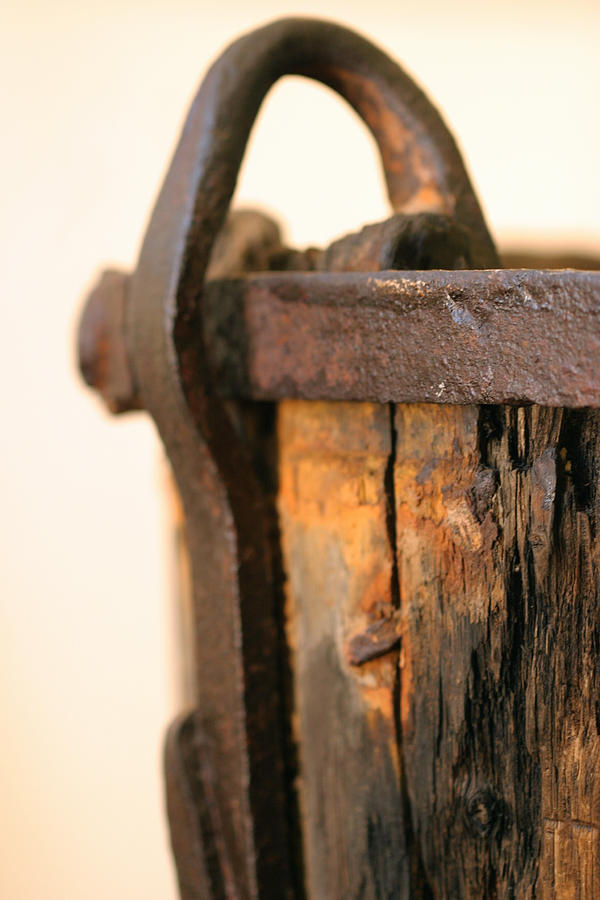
94 93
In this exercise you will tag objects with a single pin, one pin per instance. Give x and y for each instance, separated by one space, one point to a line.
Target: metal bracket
192 347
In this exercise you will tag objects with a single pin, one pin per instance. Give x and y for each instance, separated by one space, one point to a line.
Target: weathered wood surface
498 676
467 765
333 464
498 561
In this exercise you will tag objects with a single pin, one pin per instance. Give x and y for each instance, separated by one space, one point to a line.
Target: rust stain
436 467
416 179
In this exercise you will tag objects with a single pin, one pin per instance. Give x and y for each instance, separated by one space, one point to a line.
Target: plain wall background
94 93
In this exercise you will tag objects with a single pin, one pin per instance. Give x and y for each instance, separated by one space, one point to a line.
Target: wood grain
333 460
498 562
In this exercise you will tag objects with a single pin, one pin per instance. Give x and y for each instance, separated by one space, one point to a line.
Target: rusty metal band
499 336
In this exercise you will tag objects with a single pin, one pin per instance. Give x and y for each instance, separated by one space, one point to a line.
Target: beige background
93 95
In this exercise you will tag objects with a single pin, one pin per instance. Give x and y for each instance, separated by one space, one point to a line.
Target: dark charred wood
500 641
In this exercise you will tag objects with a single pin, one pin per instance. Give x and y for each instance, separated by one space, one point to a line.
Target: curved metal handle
422 166
240 832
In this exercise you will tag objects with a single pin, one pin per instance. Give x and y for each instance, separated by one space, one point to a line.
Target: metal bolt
103 357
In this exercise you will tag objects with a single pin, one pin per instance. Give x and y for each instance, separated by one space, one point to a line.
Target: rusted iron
193 351
377 640
500 336
103 352
251 242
